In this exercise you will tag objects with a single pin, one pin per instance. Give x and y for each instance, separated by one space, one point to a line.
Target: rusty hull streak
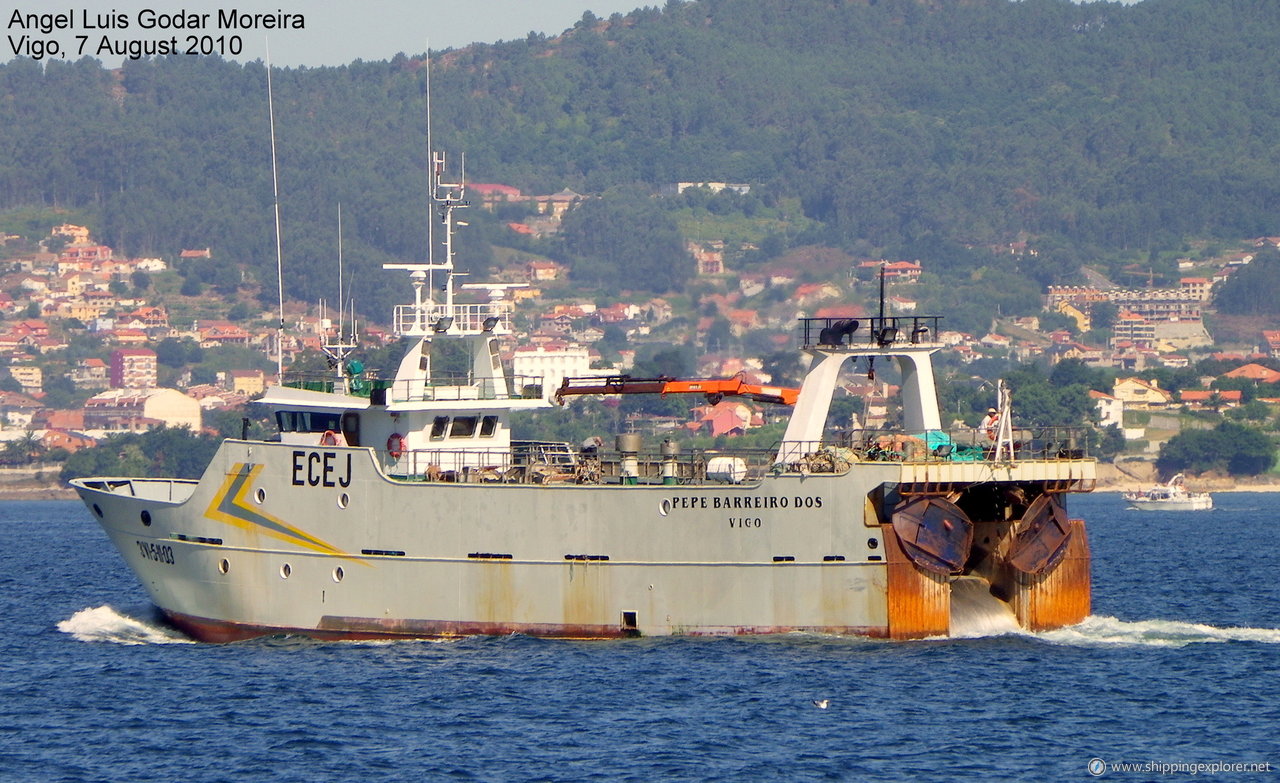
334 628
919 602
1060 597
584 595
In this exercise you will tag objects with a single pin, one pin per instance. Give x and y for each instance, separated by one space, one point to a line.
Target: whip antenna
275 187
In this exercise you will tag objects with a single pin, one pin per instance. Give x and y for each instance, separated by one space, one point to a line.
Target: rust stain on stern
919 602
1058 598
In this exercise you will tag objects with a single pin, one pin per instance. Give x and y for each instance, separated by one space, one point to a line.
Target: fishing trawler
400 504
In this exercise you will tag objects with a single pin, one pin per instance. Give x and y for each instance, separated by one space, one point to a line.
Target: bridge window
439 426
307 421
463 427
488 426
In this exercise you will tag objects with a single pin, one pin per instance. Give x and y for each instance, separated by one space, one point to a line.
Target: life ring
395 445
329 438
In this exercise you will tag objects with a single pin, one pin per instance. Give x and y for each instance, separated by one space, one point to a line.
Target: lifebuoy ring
329 438
395 445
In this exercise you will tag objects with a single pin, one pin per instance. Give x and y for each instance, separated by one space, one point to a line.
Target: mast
275 187
431 240
428 316
339 347
342 303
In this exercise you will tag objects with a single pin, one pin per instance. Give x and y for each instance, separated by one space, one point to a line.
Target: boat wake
105 624
1103 631
976 614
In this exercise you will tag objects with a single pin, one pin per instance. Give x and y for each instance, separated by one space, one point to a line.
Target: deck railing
654 465
882 332
364 384
443 386
456 318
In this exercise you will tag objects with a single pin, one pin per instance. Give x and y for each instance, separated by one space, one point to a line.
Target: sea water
1176 666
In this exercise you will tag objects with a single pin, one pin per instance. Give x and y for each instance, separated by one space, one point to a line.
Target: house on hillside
214 333
28 376
75 235
246 382
997 341
1110 409
1138 394
17 409
543 271
752 284
708 256
550 364
54 419
492 194
90 373
1199 287
1272 340
132 368
67 440
85 254
727 417
141 409
1255 372
1211 399
149 317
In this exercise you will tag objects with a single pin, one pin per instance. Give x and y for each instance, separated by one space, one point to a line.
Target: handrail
442 386
873 332
466 318
557 462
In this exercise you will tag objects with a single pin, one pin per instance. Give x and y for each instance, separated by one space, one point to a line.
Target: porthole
260 495
285 570
97 510
223 566
146 518
344 500
873 543
337 574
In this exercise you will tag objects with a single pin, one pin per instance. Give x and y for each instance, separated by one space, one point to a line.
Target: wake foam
976 614
1098 630
104 624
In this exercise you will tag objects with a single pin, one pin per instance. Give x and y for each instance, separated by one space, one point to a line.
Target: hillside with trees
928 129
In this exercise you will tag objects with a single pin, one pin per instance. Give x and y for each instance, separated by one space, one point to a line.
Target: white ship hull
278 539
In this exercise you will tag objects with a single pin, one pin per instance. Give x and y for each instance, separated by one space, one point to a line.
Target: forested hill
898 123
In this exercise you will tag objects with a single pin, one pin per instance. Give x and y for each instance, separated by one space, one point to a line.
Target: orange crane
714 389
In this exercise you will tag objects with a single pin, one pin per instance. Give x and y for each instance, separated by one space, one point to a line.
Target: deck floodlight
490 322
443 324
887 336
919 334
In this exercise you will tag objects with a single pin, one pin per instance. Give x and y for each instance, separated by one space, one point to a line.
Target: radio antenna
275 187
431 218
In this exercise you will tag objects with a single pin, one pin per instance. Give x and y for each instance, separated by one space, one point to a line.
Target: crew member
991 423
